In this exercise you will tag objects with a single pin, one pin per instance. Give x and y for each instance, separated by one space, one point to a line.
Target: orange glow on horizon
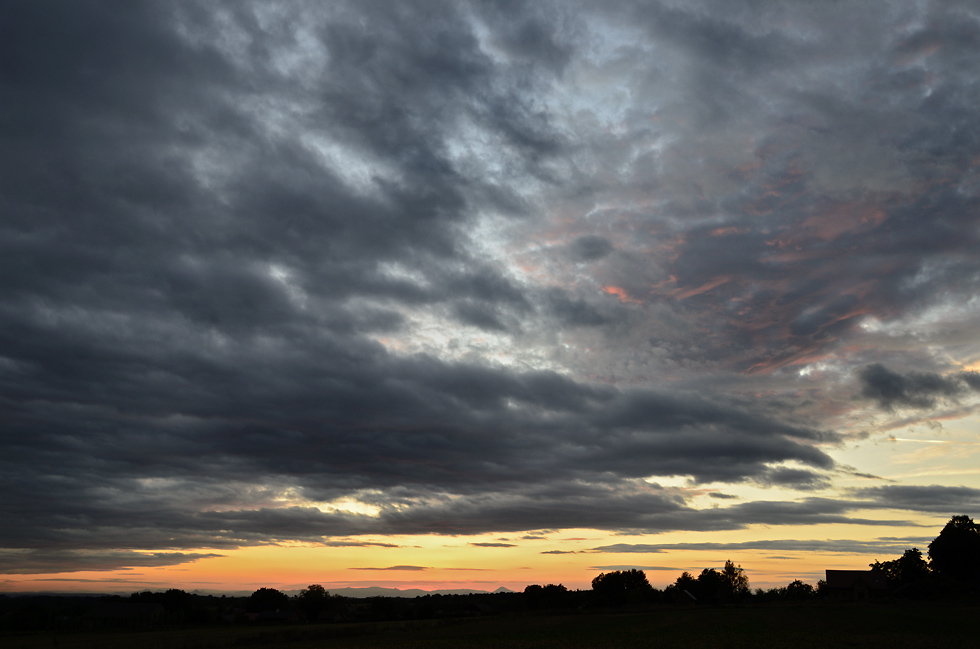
571 557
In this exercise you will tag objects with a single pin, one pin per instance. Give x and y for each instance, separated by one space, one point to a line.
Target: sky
481 294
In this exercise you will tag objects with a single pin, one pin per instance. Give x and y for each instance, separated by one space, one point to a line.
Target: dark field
889 626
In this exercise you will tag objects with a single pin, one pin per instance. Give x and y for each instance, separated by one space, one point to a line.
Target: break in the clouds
293 271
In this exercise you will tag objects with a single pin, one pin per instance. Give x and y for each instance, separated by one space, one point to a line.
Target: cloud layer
304 272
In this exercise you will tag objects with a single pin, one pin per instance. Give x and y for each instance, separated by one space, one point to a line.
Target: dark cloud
409 568
622 509
439 432
479 316
578 312
493 545
934 499
882 545
24 562
358 544
590 248
795 478
915 389
972 379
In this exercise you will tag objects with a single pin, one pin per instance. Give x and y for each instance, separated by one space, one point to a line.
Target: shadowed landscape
815 625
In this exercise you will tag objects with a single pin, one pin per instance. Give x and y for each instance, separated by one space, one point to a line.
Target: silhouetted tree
175 600
771 595
267 599
798 590
715 586
711 586
313 600
550 596
955 553
618 587
686 581
907 571
675 592
735 579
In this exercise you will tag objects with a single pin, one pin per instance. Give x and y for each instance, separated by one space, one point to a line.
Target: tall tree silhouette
955 553
736 580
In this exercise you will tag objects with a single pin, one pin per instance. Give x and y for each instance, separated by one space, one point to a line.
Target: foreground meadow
891 626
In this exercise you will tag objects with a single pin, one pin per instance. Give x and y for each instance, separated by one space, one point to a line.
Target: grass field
893 626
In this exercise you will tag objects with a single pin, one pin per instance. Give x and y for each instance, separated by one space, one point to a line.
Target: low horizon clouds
288 272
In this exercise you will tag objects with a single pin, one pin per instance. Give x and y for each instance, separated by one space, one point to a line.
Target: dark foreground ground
891 626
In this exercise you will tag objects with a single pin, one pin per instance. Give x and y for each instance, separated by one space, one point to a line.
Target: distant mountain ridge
376 591
367 591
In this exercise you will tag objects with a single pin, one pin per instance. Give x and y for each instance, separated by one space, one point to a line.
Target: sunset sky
481 294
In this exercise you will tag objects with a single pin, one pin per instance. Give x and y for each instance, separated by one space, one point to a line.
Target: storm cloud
915 389
298 272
